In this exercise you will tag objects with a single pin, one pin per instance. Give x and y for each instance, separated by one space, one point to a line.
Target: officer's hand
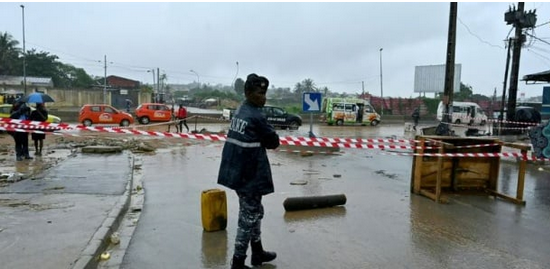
271 141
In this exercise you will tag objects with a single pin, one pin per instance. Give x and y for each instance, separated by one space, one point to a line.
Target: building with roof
13 87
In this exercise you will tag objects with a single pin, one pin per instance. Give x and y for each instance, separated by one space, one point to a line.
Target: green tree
71 76
309 85
465 93
298 89
239 87
42 64
10 63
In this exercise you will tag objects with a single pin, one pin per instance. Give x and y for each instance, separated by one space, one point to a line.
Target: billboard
431 78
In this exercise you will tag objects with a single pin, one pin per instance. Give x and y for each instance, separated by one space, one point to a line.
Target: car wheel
340 122
483 123
374 123
458 122
293 125
87 122
125 123
144 120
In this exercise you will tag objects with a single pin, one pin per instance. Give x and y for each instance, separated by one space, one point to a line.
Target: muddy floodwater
381 225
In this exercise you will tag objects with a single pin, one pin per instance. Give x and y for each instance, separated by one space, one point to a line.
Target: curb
89 257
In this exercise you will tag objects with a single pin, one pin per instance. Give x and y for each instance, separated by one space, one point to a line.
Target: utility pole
158 85
514 73
503 101
363 87
448 89
105 80
443 128
520 20
24 52
381 88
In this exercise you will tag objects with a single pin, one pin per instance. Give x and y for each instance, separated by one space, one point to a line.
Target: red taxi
153 112
103 114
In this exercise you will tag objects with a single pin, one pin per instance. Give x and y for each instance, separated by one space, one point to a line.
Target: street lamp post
236 74
381 85
198 78
24 52
105 80
153 71
199 82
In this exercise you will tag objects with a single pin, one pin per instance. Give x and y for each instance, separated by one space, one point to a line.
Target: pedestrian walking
39 114
129 104
245 169
21 111
172 119
182 119
416 116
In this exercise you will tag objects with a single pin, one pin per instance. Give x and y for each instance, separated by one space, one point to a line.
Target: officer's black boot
259 255
238 263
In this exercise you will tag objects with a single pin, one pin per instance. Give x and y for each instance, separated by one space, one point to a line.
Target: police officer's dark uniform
245 168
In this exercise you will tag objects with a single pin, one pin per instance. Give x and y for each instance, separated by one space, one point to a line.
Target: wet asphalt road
382 225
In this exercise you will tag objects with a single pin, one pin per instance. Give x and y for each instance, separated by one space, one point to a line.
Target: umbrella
37 97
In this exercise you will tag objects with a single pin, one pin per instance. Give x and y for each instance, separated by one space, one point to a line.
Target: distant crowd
9 98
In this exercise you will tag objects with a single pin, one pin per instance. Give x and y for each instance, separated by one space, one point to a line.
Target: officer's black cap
254 80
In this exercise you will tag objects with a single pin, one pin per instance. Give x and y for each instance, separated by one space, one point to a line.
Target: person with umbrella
39 114
37 97
21 111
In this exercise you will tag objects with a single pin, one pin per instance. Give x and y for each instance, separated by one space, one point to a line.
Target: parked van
464 112
342 111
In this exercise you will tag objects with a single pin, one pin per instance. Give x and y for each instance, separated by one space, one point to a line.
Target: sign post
311 103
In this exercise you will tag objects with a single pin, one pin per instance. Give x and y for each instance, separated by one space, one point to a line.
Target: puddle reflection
214 249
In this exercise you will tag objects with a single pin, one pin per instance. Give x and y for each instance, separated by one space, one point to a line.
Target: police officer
245 168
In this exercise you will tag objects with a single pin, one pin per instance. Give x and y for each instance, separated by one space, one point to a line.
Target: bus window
369 109
457 109
338 107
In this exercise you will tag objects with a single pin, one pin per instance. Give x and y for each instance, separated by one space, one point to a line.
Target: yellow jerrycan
214 210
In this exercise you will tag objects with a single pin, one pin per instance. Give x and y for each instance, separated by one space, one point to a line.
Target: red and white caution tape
34 126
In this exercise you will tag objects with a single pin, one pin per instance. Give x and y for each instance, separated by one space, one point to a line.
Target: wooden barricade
434 176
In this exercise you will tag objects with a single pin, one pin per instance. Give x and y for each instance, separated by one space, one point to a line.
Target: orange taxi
103 114
153 112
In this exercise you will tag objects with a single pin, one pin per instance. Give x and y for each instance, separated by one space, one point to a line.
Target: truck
276 116
354 111
463 113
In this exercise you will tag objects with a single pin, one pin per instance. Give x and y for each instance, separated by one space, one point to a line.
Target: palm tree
309 85
9 55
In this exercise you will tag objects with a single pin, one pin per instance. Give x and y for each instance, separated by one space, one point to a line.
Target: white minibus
464 113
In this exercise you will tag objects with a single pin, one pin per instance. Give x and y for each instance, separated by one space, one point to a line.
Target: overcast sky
337 45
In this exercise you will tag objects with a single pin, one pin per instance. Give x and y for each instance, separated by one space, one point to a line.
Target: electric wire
476 36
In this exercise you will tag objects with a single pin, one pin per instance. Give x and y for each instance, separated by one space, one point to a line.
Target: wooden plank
418 167
521 176
506 197
439 174
431 195
517 146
